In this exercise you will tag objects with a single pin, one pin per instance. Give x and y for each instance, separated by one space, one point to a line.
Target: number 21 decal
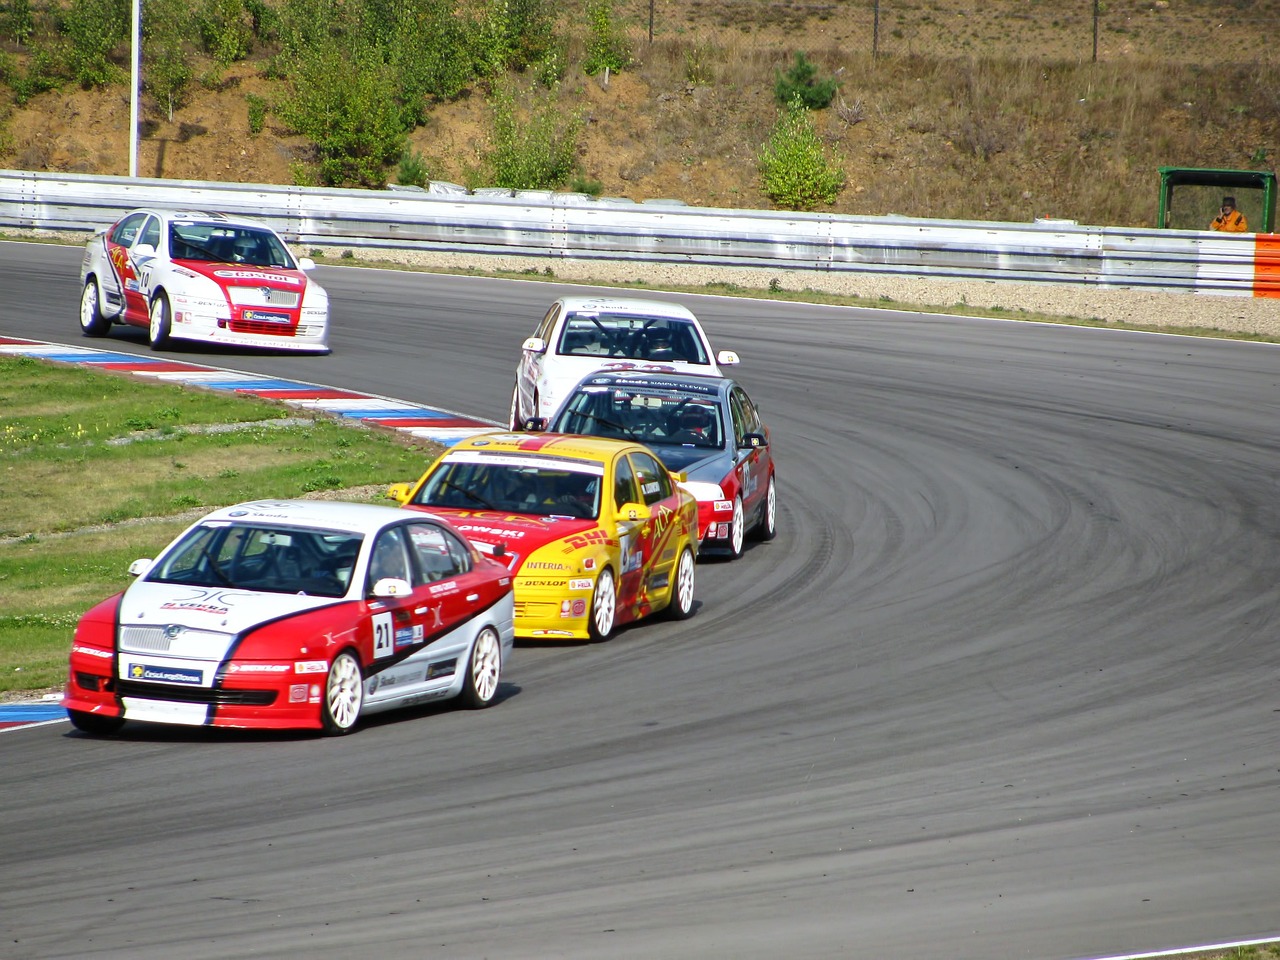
384 639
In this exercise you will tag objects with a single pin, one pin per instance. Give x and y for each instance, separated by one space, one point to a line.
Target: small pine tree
802 81
795 172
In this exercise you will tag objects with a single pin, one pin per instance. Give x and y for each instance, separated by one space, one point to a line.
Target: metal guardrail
573 226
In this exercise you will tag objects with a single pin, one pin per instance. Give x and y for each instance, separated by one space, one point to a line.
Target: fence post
875 31
1096 5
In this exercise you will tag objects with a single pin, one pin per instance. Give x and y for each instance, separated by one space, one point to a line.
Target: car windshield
224 243
543 488
631 337
271 559
652 417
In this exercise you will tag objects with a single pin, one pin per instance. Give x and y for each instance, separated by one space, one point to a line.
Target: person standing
1229 219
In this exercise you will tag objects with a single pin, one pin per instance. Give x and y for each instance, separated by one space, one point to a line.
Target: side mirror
752 440
727 358
499 550
399 492
306 263
143 251
536 424
535 345
635 511
140 567
392 587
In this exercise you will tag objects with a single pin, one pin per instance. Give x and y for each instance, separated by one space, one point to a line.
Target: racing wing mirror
727 357
392 587
634 511
398 492
535 345
306 263
140 567
751 441
535 424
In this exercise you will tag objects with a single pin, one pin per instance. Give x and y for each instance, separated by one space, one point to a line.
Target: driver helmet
245 249
695 419
658 345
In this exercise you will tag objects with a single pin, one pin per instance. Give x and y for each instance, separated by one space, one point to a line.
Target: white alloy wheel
681 607
767 528
484 671
92 322
161 321
604 604
343 694
738 531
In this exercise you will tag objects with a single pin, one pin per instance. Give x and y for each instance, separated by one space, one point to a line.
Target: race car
295 614
582 334
201 276
596 532
705 428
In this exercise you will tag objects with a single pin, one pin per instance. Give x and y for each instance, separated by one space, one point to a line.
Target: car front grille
263 297
533 608
263 328
180 694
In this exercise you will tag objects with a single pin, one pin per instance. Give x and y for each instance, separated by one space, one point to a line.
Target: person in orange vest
1230 220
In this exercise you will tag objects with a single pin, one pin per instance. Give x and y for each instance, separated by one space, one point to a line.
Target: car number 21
384 643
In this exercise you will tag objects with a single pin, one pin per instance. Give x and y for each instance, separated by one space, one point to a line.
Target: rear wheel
767 528
95 723
343 695
161 322
92 322
484 672
738 530
604 607
681 607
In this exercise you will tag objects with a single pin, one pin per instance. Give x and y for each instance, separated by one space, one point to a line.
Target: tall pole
133 88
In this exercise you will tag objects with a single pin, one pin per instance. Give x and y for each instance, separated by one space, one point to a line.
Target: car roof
627 305
694 383
201 216
326 514
564 446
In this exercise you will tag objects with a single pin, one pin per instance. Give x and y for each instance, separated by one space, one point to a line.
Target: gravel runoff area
1211 312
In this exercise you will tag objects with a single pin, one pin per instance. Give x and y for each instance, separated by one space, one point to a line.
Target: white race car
295 614
201 276
583 334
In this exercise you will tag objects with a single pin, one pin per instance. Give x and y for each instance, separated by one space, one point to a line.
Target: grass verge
98 469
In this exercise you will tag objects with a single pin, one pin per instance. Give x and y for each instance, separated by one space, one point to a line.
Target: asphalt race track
1005 686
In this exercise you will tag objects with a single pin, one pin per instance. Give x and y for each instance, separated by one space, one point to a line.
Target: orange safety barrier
1266 265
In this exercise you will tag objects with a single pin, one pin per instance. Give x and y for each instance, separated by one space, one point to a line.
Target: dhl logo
580 540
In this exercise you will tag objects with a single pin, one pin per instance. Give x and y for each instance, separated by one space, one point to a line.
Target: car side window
750 415
655 482
440 554
390 558
126 231
549 321
151 233
624 483
739 416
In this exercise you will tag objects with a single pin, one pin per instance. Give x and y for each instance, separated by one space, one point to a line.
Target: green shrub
166 36
40 75
226 29
344 101
412 171
94 29
801 81
430 58
17 23
257 112
537 153
795 172
607 47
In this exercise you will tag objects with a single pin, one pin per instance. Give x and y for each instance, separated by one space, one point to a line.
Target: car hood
520 534
242 275
216 609
700 463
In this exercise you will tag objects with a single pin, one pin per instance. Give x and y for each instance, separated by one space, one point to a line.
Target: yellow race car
596 532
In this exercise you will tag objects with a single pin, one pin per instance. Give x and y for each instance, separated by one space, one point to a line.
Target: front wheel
95 723
484 671
161 322
767 528
681 606
92 322
737 530
343 695
604 607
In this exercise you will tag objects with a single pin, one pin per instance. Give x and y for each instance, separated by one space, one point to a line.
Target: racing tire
682 589
343 695
94 723
161 322
604 607
767 527
92 322
737 530
484 671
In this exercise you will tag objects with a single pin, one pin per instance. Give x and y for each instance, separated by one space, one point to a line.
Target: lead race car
201 276
295 614
596 532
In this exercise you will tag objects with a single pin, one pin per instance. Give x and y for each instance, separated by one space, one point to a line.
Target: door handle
421 610
472 597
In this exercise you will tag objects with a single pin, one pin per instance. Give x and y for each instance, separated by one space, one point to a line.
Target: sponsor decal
91 651
131 285
258 668
565 609
215 602
545 565
542 583
256 275
629 365
298 693
579 608
266 316
159 674
498 532
580 583
310 666
651 487
441 589
580 541
384 643
503 581
407 636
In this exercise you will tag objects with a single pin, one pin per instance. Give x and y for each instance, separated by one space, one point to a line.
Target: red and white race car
201 276
295 614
